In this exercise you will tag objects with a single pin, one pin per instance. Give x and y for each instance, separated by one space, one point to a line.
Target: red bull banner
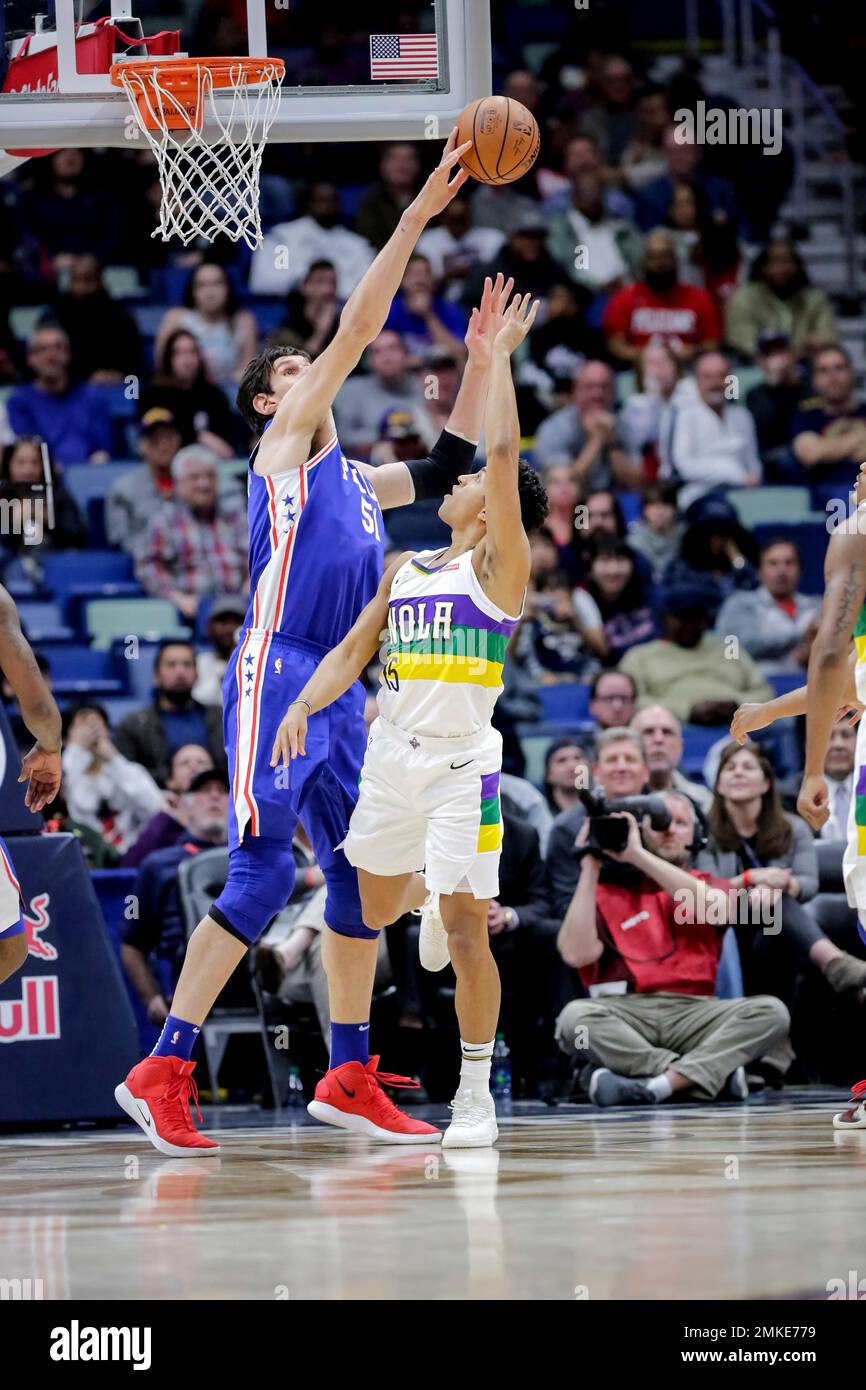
66 1027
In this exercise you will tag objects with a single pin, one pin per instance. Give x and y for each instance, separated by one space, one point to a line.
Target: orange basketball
505 137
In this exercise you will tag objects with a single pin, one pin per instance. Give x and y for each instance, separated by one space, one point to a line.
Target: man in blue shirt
828 432
422 318
151 736
71 419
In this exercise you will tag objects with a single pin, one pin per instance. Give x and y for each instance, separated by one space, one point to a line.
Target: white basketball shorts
431 804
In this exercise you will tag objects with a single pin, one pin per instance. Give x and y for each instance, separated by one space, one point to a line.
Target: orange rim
145 79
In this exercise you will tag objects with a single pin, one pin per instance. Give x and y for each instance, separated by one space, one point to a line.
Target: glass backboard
386 69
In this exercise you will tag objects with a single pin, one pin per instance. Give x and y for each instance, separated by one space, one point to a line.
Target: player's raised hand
41 771
291 739
813 803
487 319
518 320
441 187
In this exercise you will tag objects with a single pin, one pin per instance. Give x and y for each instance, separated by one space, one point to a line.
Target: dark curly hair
534 505
256 381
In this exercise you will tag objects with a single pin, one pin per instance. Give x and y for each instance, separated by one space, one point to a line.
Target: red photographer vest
645 945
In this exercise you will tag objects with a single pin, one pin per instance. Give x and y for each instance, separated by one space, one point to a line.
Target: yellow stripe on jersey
464 670
489 837
860 644
861 839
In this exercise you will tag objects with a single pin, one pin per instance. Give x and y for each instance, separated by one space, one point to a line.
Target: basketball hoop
206 188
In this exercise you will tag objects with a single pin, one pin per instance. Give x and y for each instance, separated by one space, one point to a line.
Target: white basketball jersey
446 649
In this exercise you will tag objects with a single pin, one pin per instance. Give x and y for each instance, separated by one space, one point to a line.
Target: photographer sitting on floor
646 932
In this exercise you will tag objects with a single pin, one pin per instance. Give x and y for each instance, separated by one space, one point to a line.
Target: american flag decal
404 57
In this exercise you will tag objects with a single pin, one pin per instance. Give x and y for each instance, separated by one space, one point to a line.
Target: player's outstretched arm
41 766
398 484
751 717
368 306
506 560
844 592
337 671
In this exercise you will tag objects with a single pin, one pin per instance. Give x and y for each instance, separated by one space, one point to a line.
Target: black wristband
449 458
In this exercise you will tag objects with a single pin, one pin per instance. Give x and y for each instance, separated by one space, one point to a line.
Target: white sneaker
433 950
473 1122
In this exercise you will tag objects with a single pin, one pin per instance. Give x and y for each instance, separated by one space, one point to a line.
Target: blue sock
177 1039
350 1042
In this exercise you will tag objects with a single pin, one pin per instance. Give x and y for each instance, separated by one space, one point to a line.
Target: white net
207 188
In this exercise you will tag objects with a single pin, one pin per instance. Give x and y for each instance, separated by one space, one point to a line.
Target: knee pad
343 905
260 882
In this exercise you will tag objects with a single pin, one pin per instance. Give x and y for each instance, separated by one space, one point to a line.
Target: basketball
505 139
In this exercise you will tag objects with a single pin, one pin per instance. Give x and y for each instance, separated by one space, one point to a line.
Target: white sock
475 1067
660 1087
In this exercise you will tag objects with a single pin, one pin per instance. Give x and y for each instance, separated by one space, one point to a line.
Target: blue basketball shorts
320 790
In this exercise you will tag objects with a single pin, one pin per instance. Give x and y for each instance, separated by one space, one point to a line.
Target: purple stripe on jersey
465 613
861 782
489 785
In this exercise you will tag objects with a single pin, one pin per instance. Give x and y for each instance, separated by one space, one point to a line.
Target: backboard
403 69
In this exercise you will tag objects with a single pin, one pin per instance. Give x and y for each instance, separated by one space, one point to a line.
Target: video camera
609 833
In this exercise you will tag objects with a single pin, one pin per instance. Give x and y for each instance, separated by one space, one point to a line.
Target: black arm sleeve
436 475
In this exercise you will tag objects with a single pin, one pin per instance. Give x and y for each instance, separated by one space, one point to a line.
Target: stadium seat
79 670
86 480
697 742
64 569
564 702
784 681
757 505
76 599
145 618
43 622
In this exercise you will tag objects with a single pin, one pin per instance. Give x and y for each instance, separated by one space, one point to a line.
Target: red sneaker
156 1094
351 1097
855 1118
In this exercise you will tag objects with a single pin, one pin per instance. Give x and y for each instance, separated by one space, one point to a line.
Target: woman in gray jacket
771 856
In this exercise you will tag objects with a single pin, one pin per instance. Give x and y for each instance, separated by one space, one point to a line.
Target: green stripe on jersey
464 641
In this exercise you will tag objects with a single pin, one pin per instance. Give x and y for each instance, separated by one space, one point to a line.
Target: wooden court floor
756 1201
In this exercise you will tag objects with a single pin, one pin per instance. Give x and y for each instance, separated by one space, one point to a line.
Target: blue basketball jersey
316 544
315 548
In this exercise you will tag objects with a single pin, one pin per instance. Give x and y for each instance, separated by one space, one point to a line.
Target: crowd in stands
682 364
